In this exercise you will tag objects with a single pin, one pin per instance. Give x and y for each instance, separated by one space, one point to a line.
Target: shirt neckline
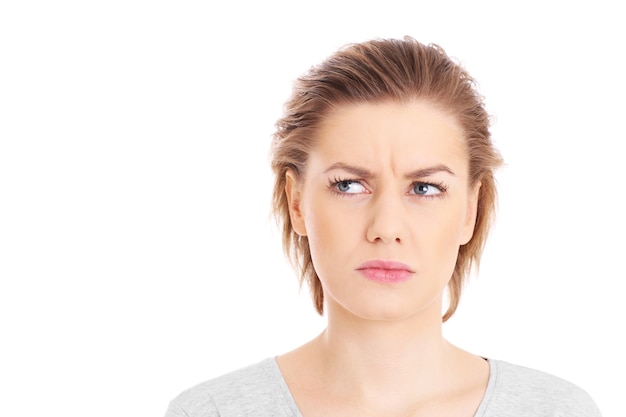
290 402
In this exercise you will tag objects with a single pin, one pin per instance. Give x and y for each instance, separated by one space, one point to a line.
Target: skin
386 181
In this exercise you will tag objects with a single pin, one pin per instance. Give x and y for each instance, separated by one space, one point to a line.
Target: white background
137 255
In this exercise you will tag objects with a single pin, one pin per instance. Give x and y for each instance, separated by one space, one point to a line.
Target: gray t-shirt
260 390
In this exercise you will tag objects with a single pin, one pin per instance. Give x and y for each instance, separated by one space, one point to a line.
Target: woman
385 191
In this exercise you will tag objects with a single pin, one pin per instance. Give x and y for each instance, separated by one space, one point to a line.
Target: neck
378 356
385 367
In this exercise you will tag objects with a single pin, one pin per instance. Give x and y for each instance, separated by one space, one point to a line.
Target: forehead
405 135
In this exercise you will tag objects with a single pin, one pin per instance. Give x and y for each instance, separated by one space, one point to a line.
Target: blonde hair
374 71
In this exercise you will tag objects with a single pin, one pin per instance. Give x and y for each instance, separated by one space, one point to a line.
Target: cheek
438 236
327 229
335 241
443 223
456 220
443 244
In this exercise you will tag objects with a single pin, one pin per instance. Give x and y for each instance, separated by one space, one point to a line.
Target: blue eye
423 188
349 187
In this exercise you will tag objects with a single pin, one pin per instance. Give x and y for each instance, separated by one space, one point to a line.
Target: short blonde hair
374 71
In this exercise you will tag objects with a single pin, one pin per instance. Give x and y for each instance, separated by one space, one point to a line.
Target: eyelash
332 186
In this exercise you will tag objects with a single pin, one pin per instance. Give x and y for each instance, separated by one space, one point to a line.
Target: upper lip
381 264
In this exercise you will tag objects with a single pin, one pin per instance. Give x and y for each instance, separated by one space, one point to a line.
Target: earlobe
471 216
292 190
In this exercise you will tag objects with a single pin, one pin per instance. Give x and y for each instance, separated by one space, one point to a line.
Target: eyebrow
366 173
425 172
354 170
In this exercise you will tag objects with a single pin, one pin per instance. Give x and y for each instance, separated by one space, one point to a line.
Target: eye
348 187
424 188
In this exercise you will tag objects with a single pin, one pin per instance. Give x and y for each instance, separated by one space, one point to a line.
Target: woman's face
385 203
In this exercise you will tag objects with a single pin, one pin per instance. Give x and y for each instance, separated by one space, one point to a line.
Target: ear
292 189
471 213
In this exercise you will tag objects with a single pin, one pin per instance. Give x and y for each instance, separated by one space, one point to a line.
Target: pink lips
387 272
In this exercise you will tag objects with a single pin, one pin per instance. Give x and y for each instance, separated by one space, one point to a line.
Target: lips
388 272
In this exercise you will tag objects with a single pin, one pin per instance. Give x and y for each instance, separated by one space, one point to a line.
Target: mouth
388 272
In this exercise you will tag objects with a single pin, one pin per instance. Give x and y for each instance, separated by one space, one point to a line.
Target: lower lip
387 276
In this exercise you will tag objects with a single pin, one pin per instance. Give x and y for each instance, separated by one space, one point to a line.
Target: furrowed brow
426 172
354 170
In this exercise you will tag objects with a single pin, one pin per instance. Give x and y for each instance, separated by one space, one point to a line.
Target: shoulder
246 391
518 390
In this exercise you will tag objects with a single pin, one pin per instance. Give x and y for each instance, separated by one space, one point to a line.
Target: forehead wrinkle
342 130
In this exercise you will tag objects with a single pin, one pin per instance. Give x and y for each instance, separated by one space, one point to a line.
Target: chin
397 305
377 311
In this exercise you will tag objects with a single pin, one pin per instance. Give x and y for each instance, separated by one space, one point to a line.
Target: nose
387 219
